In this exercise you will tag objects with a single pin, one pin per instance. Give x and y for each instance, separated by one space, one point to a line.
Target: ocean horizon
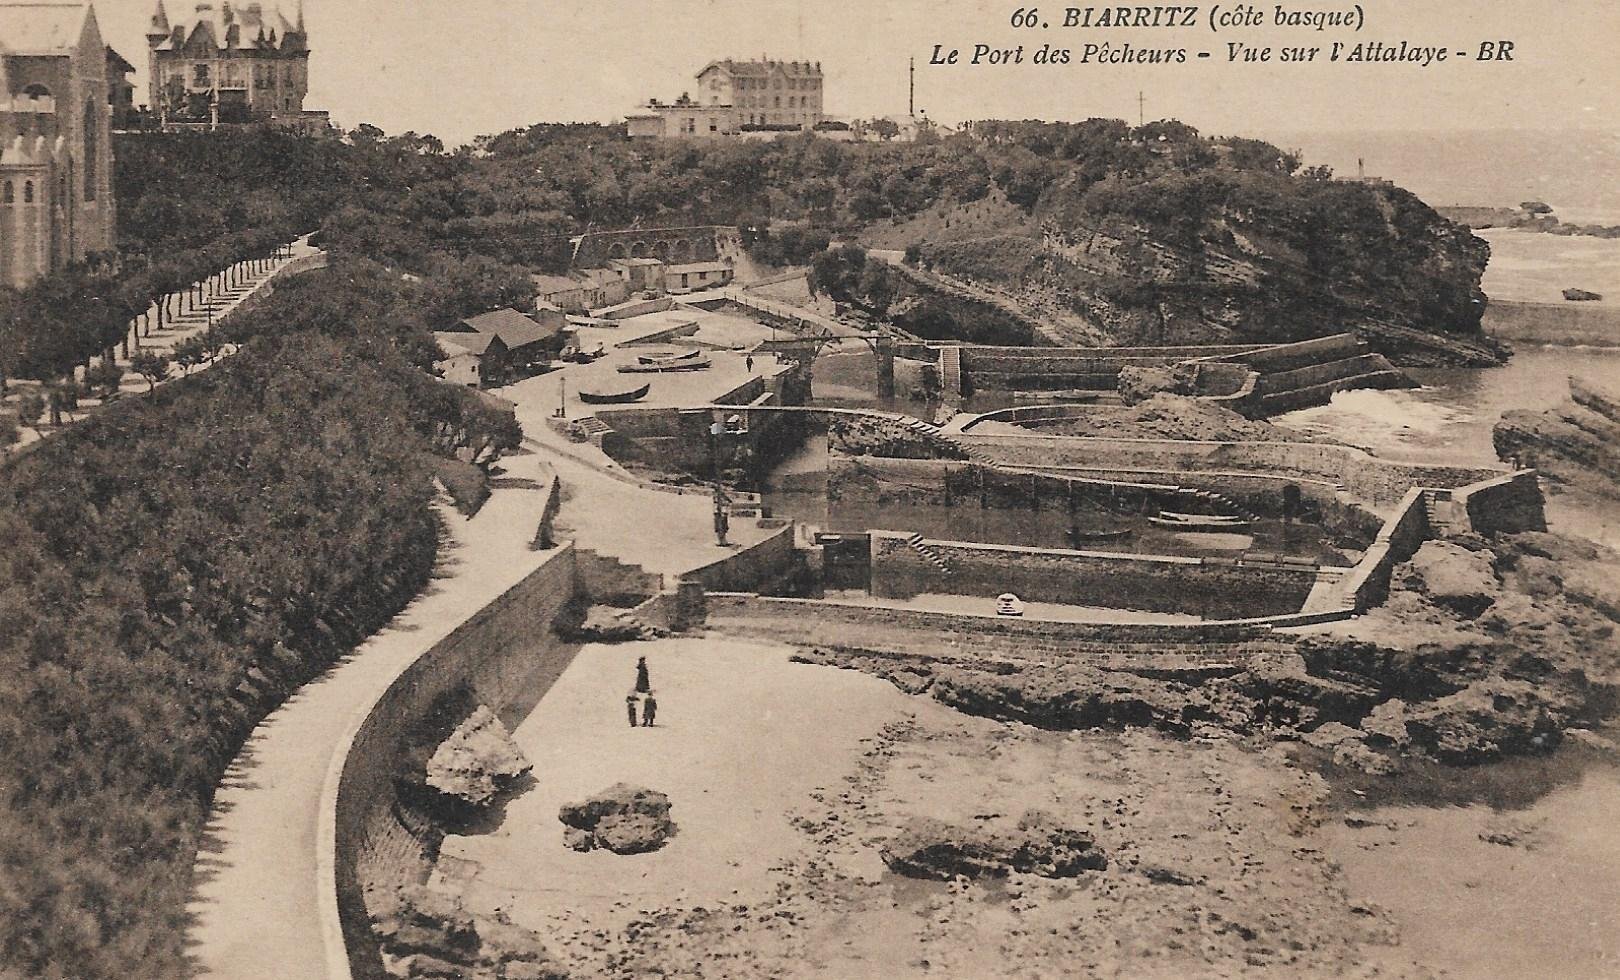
1572 170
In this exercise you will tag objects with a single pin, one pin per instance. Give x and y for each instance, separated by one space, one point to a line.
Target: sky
459 68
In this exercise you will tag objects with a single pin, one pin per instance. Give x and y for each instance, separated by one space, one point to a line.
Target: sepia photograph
809 489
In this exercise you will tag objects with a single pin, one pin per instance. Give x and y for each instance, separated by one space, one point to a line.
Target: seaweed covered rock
623 819
930 848
478 761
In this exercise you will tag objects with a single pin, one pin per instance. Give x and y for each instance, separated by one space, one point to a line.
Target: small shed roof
514 329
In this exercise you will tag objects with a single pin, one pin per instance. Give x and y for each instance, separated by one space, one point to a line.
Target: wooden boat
1199 522
669 358
1077 536
689 364
615 398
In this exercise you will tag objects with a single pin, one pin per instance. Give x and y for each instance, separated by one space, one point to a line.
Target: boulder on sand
930 848
477 761
623 819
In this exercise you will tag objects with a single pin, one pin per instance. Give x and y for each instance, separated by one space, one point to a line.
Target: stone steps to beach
929 553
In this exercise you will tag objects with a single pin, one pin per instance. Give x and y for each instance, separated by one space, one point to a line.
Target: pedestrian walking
649 710
643 684
630 707
748 362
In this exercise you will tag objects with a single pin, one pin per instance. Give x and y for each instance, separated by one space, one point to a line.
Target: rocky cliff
1223 257
1576 444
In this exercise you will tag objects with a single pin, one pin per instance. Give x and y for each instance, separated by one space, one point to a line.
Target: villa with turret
229 64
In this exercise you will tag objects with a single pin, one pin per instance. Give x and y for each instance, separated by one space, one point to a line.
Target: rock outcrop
1576 444
1485 649
428 934
1582 296
623 819
929 848
478 761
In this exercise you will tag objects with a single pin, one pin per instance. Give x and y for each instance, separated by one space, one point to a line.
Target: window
28 192
714 126
92 147
199 76
778 102
10 194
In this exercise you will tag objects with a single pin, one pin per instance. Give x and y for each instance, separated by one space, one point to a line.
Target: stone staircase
930 554
1441 511
950 375
939 437
592 426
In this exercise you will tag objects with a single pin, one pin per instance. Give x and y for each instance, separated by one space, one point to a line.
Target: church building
56 202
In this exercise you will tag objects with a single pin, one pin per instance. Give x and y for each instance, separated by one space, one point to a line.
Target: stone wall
507 656
1207 587
1505 505
1403 534
1366 477
755 568
811 622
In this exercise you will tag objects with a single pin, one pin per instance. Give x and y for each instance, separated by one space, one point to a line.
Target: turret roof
217 19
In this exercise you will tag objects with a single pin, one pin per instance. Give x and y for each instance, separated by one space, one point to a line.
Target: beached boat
615 398
669 358
1077 536
689 364
1199 522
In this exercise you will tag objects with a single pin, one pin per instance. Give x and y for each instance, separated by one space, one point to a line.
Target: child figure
630 707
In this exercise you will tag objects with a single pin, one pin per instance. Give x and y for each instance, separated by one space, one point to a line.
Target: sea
1577 171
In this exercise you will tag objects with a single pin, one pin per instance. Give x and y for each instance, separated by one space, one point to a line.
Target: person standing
643 684
748 363
649 710
630 707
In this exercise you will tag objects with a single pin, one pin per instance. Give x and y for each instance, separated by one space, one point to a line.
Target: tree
152 366
30 408
190 352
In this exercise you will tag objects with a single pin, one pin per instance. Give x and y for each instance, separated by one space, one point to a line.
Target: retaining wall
811 622
1403 534
759 565
508 656
1507 504
1378 481
1207 587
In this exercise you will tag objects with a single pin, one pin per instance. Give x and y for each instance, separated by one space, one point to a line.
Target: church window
92 148
10 193
28 192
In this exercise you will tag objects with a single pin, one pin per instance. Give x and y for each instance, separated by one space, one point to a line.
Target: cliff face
1222 257
1577 444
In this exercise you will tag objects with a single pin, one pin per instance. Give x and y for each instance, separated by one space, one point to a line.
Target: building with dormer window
230 64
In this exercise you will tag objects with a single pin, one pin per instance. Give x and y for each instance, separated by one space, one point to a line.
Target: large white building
734 97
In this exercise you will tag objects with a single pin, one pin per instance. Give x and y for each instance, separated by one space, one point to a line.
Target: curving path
257 898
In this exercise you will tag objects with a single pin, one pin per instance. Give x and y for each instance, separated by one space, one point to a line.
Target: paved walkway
257 895
218 303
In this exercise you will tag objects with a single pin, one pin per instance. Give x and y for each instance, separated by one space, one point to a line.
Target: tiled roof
514 329
41 28
794 69
249 20
471 343
555 284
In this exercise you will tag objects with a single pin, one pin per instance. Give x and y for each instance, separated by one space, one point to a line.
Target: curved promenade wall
508 656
